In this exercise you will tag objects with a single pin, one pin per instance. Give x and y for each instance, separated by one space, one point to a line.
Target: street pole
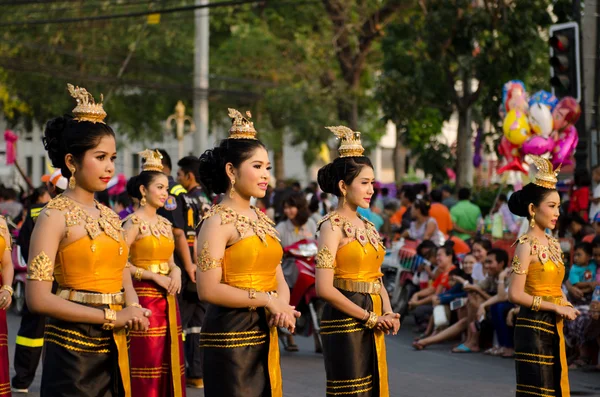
583 151
201 53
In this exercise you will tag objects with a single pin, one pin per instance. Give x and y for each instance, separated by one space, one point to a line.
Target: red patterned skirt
4 376
156 356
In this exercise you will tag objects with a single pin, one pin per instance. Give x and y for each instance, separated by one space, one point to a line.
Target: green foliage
434 157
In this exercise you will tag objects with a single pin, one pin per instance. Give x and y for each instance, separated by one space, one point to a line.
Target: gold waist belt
157 268
364 287
91 298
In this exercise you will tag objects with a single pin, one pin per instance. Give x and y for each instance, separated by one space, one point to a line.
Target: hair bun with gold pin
151 160
546 175
87 109
241 127
351 145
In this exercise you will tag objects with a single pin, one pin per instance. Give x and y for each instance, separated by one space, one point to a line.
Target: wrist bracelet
537 303
134 304
138 274
111 317
270 297
386 313
252 295
366 316
8 289
372 321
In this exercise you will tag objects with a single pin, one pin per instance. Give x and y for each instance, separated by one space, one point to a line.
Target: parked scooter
19 280
299 270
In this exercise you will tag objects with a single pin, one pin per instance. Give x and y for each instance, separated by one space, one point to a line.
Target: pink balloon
538 145
511 153
565 146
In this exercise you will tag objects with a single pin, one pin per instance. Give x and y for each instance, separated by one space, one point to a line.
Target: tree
472 48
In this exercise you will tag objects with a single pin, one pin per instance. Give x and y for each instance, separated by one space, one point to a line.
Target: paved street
432 372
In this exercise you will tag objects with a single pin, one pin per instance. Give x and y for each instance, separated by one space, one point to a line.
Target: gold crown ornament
241 127
87 109
546 175
350 141
151 160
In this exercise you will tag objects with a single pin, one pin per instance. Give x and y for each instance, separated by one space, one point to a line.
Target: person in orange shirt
440 212
402 218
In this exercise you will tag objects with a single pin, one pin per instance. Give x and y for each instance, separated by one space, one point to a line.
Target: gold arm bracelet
324 259
7 288
372 321
139 272
111 317
537 303
40 268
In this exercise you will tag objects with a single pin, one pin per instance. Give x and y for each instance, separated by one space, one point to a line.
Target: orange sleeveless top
547 271
153 250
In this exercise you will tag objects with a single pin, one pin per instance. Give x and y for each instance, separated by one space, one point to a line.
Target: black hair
502 197
298 200
448 249
596 242
409 193
166 159
436 196
447 188
64 135
385 191
123 199
36 194
423 207
530 194
341 169
145 178
500 255
588 248
464 193
582 178
10 194
575 217
213 161
190 164
103 197
427 249
313 205
485 243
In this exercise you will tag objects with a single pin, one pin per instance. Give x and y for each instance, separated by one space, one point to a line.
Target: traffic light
565 65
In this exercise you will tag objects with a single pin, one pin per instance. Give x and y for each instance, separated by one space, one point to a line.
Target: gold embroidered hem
40 268
91 298
363 287
262 227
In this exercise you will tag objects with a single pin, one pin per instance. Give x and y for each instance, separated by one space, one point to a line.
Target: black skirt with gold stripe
241 354
355 362
540 355
82 360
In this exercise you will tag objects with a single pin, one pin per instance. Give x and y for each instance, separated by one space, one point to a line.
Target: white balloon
540 119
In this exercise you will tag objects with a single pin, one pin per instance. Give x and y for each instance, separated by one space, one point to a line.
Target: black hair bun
212 170
516 204
326 179
531 193
53 139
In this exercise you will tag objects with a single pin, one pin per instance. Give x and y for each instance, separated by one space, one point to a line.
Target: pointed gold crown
350 141
546 175
87 109
151 160
241 127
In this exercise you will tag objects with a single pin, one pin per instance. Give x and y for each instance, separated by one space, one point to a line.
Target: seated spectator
577 228
579 202
582 276
402 218
447 196
479 250
465 215
423 227
499 310
440 213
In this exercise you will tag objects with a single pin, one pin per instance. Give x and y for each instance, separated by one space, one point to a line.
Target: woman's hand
175 284
282 314
480 311
162 280
567 312
5 300
390 321
133 318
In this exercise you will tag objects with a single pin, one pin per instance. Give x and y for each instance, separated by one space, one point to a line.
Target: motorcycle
399 268
298 268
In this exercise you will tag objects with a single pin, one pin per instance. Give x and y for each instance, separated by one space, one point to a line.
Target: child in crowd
582 276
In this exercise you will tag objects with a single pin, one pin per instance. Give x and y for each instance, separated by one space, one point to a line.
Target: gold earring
232 188
72 182
532 221
143 201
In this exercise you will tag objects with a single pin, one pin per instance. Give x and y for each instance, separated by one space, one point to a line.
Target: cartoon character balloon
545 98
516 127
514 96
538 145
566 113
540 119
565 146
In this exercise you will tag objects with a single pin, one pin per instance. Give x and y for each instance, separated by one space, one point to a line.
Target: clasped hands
389 322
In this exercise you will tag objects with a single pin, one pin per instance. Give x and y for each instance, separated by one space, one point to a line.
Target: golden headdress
152 160
241 127
351 145
546 175
87 109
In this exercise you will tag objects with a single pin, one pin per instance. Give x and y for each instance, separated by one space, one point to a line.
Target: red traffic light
559 42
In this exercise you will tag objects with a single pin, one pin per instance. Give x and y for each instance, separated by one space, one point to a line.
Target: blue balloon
545 98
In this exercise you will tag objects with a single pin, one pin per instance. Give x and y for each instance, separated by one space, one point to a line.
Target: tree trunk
278 159
398 157
464 146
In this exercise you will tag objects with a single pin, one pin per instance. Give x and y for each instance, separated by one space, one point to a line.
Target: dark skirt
355 362
81 360
241 354
540 356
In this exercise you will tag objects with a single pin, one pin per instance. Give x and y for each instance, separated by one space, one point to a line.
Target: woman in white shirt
298 224
423 227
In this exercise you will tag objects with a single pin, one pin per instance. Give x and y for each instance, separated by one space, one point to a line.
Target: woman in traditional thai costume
538 272
81 243
358 310
239 272
6 292
157 360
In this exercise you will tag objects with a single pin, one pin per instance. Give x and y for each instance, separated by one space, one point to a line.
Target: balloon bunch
538 126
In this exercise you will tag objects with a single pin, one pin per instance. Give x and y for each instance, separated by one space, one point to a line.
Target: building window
43 164
135 158
29 166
